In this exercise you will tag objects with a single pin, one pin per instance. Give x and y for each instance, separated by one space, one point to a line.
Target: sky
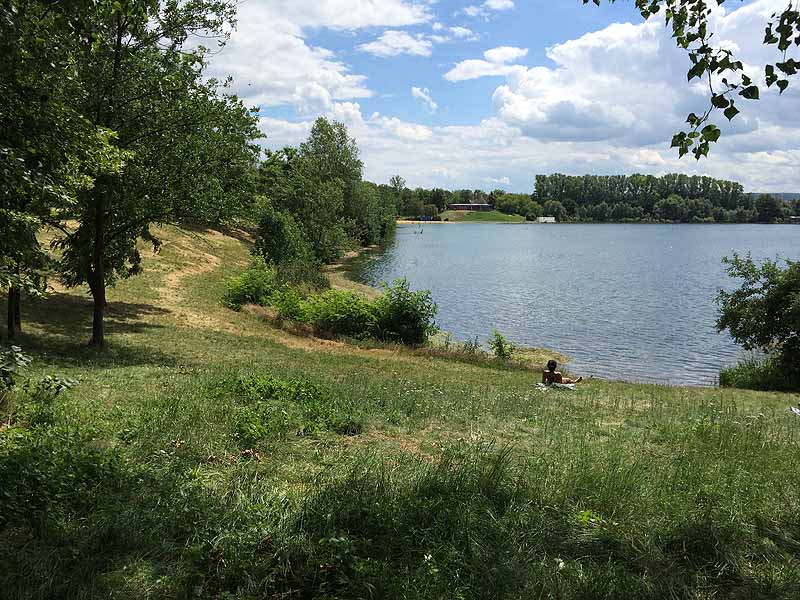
487 94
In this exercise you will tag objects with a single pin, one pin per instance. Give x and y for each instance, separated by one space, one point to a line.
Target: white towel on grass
556 386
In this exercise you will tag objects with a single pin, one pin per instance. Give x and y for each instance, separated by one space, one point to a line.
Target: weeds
274 408
501 347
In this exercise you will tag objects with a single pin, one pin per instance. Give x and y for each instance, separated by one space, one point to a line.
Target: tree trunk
98 331
17 310
10 325
14 321
97 276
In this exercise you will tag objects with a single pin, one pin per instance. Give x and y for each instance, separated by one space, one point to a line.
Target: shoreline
477 222
340 277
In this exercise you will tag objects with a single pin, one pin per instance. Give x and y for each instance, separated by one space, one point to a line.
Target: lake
632 302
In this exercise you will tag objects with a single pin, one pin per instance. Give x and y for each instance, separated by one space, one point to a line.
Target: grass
489 216
209 454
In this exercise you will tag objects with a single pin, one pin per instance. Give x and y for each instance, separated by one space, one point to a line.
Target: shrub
472 347
280 238
340 312
404 316
11 362
301 273
289 304
253 286
759 373
764 313
501 347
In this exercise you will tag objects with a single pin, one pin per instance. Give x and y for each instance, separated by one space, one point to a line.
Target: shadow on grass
60 327
232 232
471 525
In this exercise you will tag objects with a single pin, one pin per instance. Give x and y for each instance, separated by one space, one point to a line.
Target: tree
398 184
764 313
554 208
187 146
320 185
49 152
280 238
770 209
690 28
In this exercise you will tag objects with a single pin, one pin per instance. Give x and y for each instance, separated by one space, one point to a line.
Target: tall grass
216 462
163 499
758 372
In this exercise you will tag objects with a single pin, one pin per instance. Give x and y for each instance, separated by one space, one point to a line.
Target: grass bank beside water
463 216
209 454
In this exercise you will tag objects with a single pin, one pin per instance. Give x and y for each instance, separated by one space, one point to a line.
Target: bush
472 347
759 373
399 316
280 238
289 304
501 347
404 316
303 274
253 286
342 313
11 362
764 313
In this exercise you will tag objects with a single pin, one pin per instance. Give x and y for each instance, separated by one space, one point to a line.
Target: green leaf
711 133
751 93
719 101
678 140
697 70
731 112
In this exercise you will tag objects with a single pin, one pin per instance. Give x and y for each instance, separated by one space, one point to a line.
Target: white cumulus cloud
272 63
498 180
494 64
393 43
424 94
505 54
484 10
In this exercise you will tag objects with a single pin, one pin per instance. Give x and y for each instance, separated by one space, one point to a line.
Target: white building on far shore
545 219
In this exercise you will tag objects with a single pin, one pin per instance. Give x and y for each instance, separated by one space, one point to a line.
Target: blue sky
487 94
534 25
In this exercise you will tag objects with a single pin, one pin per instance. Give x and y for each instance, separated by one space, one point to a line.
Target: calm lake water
632 302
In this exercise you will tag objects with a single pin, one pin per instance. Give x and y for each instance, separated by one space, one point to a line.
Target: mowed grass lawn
207 454
489 216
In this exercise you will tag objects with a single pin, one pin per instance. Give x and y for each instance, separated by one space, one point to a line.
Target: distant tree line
617 198
674 197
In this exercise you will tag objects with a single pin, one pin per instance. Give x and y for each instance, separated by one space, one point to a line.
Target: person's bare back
551 376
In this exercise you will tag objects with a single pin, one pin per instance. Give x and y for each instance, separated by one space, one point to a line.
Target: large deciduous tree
48 150
187 145
714 61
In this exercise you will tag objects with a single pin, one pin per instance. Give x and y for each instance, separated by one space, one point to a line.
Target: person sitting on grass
551 376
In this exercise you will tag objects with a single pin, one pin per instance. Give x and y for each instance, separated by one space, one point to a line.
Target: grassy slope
492 216
463 483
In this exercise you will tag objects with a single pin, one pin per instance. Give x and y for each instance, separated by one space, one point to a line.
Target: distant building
545 219
795 220
470 207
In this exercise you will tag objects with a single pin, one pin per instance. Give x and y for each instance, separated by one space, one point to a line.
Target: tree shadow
237 233
60 326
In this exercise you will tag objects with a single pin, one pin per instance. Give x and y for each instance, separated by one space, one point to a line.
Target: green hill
210 454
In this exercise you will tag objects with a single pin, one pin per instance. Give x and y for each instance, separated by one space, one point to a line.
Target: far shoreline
488 222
